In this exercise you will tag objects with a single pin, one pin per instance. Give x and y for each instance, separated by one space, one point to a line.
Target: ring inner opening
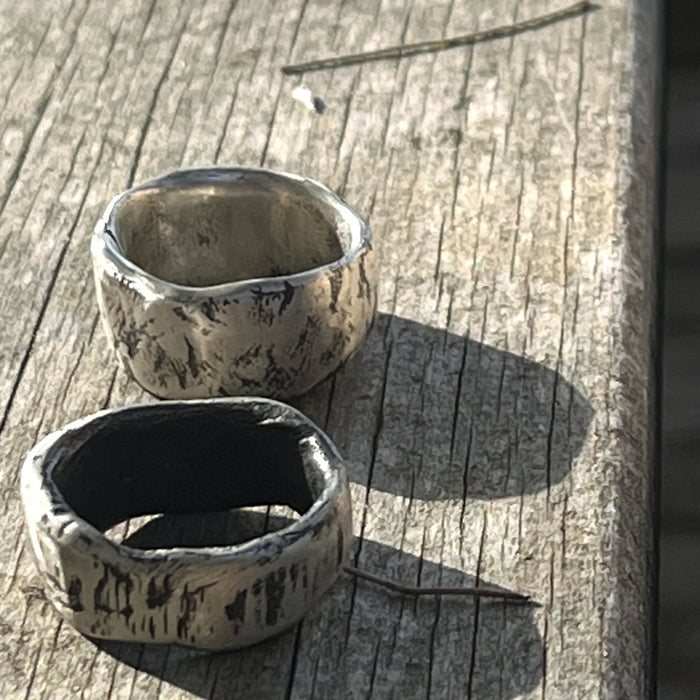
195 461
214 233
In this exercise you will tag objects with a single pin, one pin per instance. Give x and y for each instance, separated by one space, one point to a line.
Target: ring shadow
423 413
359 634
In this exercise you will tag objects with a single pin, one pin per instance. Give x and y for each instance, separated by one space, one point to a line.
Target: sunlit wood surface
498 425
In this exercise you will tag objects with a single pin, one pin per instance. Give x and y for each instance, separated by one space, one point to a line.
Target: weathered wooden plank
497 424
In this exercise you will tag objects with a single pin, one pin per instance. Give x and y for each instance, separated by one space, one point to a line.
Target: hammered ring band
233 281
178 458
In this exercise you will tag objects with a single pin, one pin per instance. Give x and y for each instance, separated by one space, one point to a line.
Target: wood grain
497 425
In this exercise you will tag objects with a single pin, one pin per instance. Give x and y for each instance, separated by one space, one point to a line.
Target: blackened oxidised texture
180 371
365 288
192 359
130 335
276 377
158 593
326 358
75 587
256 590
249 357
274 593
127 331
180 313
236 611
287 296
270 305
307 337
159 361
340 340
189 600
195 362
211 310
113 592
336 281
246 383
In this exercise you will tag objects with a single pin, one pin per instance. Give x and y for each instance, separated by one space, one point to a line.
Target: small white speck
308 99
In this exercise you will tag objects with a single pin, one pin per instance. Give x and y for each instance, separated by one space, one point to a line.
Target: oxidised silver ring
227 281
186 457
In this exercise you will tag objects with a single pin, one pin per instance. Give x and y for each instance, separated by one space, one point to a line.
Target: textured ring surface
233 281
186 457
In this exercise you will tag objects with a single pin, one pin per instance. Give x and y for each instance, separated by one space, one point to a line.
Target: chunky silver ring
233 281
186 457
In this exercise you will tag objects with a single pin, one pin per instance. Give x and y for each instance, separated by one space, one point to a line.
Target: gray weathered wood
498 424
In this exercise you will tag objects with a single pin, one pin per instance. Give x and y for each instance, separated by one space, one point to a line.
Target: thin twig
403 50
420 590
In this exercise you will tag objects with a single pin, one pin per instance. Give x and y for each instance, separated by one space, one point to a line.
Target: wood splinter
403 50
429 590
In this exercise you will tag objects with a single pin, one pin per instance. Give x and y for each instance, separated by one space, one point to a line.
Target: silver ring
185 457
233 281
